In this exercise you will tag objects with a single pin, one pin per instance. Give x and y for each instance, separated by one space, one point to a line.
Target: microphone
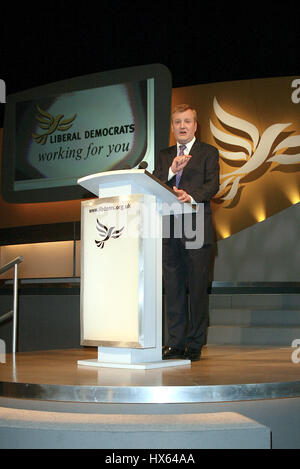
143 165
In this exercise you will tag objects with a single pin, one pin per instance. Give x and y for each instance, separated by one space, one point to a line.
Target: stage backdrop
255 124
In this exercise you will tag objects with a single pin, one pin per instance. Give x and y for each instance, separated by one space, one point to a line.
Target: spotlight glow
225 233
260 215
294 197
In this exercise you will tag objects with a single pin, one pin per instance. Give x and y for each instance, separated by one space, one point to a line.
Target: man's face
184 126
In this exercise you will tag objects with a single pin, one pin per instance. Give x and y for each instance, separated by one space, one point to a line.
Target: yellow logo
269 147
50 123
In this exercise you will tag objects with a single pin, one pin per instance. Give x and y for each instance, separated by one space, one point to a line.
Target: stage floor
224 373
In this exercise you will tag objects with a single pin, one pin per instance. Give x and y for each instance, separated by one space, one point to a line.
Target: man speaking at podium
191 169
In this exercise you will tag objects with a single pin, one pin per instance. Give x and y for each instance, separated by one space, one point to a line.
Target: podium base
134 366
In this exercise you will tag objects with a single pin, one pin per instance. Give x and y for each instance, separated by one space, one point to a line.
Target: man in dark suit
191 168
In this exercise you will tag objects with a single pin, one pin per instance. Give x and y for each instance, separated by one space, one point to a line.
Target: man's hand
182 195
180 162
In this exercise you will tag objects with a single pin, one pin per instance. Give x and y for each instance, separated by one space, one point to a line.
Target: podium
121 268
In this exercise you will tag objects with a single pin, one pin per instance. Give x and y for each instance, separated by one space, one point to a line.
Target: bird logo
107 233
256 149
50 123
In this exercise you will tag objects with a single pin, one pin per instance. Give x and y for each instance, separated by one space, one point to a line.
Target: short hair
183 108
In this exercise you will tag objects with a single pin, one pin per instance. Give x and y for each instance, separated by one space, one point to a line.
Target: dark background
198 42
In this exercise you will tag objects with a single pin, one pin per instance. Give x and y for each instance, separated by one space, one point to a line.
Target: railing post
15 309
3 269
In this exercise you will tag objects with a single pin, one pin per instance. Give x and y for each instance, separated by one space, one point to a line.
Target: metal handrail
6 316
10 264
14 263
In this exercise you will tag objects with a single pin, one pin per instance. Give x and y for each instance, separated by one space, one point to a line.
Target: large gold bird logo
50 124
256 150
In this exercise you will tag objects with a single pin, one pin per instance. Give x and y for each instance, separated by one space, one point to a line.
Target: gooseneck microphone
143 165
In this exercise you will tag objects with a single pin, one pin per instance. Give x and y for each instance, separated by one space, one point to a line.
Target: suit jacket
200 178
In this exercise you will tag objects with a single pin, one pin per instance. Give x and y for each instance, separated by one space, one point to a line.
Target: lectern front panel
114 284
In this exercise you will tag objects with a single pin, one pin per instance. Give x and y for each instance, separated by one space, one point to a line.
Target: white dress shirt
186 152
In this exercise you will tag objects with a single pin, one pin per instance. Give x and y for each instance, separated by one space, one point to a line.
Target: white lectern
121 268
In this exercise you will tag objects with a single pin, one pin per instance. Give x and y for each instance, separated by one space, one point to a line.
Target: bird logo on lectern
107 233
50 123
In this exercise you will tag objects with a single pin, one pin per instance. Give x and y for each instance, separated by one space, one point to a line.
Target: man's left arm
211 180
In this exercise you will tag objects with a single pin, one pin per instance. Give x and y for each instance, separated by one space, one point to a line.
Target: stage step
256 319
275 301
259 317
242 335
30 429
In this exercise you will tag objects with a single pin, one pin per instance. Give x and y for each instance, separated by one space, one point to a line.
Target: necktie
181 153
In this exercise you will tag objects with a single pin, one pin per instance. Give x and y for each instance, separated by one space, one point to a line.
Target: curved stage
224 374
